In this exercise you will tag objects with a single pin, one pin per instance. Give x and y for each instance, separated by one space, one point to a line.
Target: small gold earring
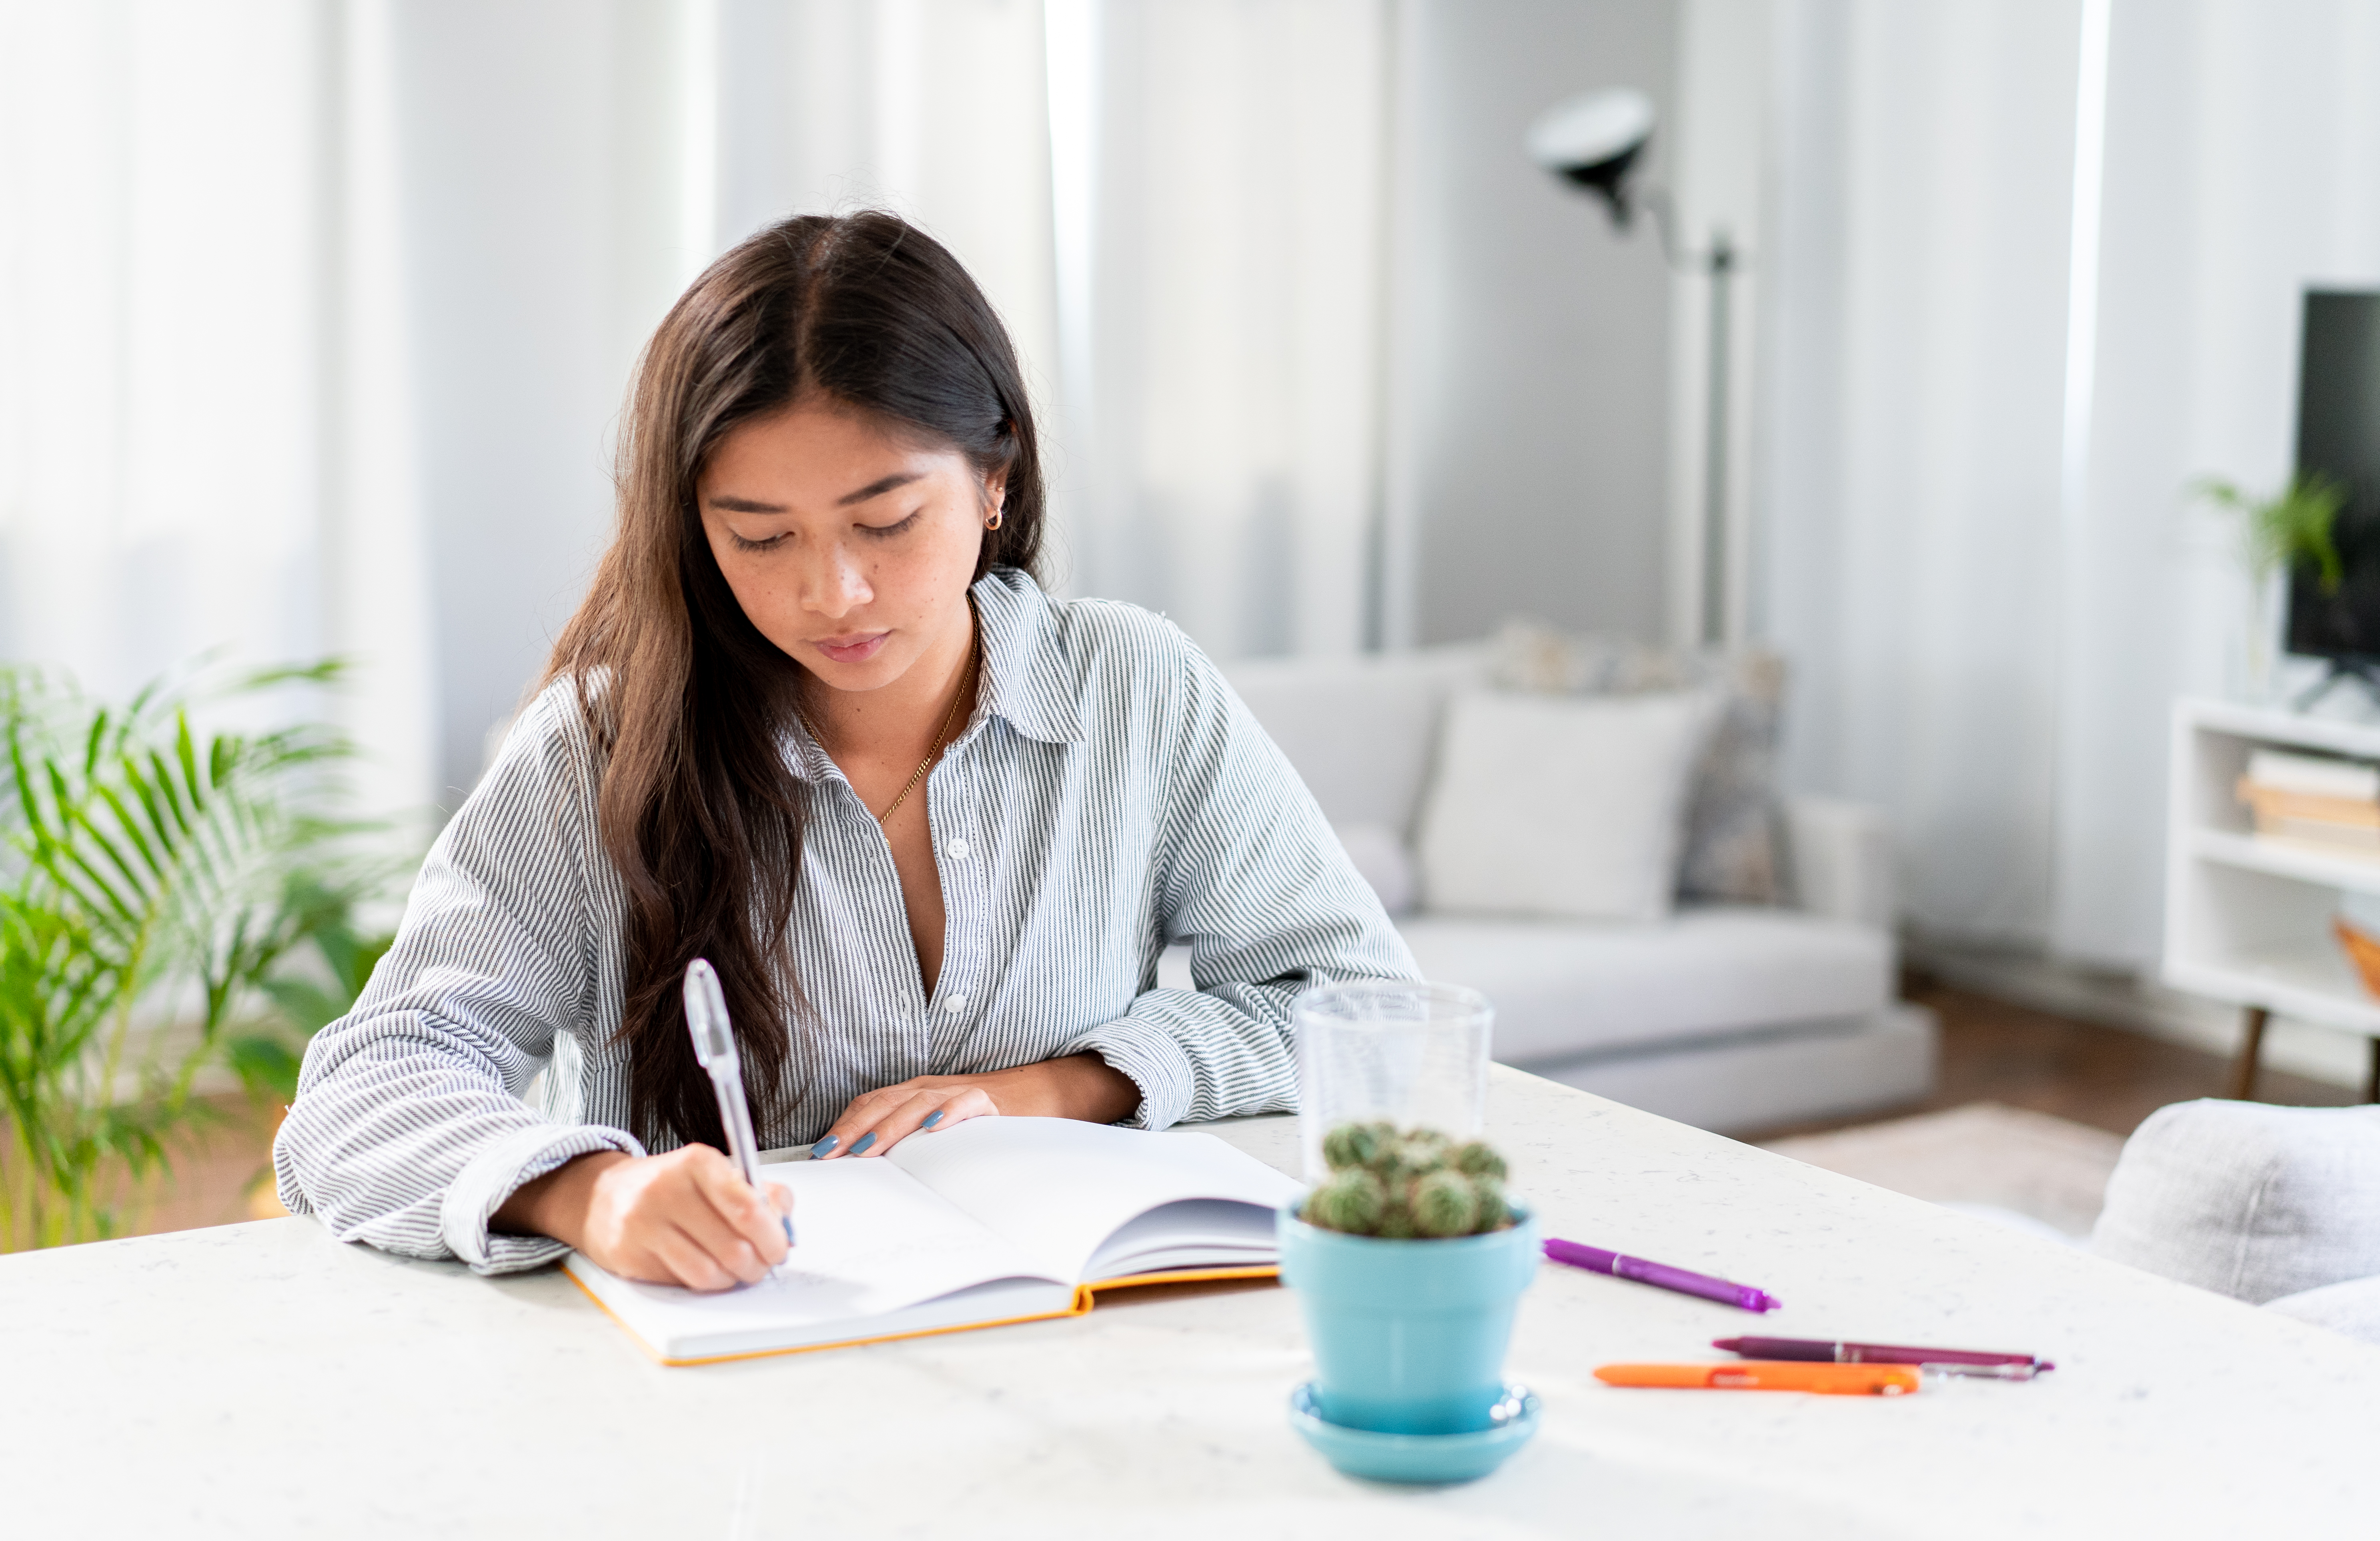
993 523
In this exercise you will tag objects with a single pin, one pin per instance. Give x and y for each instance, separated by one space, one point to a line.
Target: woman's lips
852 650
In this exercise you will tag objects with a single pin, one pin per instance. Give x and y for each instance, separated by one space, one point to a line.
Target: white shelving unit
2247 919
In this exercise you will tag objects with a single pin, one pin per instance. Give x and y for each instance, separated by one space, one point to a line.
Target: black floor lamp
1592 141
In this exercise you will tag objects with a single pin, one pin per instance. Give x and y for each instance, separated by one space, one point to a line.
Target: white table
262 1380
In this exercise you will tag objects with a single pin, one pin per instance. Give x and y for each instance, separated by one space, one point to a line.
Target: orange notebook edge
1085 1297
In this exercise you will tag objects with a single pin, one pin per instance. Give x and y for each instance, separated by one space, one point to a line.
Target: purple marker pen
1660 1275
1950 1361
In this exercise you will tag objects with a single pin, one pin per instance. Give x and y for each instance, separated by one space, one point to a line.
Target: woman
817 722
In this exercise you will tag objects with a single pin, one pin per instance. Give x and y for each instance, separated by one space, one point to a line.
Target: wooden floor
217 1166
2108 1077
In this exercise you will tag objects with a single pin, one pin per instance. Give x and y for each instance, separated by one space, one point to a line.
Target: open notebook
997 1220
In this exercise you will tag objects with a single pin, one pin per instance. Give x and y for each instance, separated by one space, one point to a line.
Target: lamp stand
1721 270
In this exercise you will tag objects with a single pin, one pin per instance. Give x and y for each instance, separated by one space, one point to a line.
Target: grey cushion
2255 1202
2352 1307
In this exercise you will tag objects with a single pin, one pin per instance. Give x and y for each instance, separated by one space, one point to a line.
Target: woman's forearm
556 1203
1079 1087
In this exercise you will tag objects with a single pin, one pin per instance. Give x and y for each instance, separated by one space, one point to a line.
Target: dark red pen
2010 1367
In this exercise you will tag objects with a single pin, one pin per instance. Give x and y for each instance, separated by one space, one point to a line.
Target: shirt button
958 850
955 1003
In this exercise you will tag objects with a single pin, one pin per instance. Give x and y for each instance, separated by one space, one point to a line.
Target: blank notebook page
873 1242
1058 1188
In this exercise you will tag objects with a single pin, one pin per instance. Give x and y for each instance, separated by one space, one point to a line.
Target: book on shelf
2314 800
2314 775
991 1221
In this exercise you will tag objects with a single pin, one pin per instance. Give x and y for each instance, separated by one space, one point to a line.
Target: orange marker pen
1770 1374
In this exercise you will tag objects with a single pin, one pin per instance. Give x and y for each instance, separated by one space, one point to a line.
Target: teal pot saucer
1419 1458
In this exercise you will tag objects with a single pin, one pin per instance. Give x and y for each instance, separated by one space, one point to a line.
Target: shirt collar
1025 675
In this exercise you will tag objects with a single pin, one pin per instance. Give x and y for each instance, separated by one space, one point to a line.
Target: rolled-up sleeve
1251 876
409 1130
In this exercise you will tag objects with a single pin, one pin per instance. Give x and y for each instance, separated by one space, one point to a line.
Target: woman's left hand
1079 1087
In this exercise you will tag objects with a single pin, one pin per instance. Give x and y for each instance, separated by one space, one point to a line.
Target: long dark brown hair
688 704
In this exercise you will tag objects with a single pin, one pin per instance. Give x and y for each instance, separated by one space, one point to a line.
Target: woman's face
849 548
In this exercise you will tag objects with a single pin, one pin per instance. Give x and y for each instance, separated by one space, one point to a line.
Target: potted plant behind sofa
1407 1254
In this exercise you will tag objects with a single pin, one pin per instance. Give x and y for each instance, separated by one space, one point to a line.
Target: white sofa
1731 1017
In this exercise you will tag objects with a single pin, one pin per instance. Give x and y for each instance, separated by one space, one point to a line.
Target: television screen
2338 436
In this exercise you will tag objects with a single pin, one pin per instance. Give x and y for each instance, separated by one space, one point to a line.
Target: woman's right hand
687 1217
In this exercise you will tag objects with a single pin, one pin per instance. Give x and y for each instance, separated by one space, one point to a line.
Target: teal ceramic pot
1408 1336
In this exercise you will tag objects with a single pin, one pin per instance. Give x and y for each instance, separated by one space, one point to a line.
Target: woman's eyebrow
878 488
745 505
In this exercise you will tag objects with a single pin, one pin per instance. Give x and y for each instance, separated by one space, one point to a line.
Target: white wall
1530 417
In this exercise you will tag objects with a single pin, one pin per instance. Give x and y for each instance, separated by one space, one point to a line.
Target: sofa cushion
1567 808
1563 987
2251 1201
1731 839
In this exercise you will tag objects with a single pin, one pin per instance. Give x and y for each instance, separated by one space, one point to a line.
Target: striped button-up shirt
1109 796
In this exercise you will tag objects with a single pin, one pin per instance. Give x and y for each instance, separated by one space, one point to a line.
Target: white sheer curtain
1916 284
1222 417
1979 428
2242 160
937 109
202 446
570 164
315 315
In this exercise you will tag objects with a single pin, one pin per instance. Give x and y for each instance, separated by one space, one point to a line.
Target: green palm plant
154 882
2293 529
266 1054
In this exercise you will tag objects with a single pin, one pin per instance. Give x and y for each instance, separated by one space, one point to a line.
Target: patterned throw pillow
1730 848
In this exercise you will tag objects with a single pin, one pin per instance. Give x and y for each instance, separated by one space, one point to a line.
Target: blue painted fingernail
825 1145
932 1119
862 1143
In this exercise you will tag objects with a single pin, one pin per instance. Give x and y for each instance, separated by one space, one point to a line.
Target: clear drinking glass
1414 1054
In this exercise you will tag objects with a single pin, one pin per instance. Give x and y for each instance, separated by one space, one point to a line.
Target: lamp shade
1593 141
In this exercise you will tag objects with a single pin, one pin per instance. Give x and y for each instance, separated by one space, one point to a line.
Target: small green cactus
1420 1153
1400 1185
1350 1201
1476 1159
1355 1145
1444 1204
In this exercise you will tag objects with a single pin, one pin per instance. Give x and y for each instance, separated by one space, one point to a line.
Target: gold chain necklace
941 734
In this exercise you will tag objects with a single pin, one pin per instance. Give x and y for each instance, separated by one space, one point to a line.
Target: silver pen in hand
714 1045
